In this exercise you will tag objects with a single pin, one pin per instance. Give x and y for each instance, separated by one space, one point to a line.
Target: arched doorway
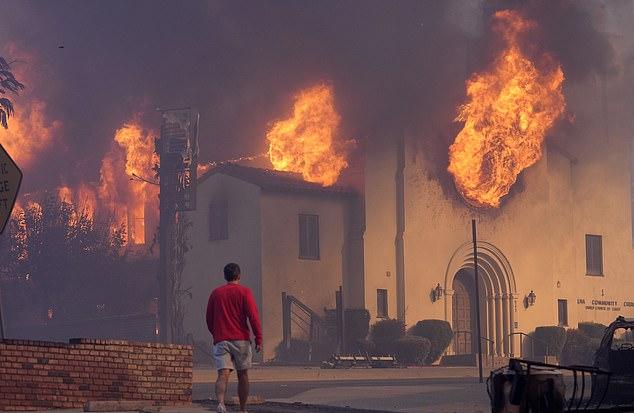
463 313
497 300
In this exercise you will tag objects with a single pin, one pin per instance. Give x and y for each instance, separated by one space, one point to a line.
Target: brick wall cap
33 343
75 341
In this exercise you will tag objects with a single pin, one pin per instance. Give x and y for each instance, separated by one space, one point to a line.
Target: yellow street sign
10 178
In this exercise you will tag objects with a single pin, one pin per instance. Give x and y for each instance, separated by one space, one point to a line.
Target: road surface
383 390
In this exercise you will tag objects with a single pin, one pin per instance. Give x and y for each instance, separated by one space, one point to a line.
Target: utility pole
166 223
177 148
477 295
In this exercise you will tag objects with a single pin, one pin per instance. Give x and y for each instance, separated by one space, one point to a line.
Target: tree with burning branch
56 258
8 83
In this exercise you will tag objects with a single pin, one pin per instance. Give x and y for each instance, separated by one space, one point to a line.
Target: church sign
10 178
605 305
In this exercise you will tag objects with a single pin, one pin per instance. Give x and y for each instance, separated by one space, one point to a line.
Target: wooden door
461 318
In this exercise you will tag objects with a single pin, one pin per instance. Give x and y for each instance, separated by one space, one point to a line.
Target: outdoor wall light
436 293
530 299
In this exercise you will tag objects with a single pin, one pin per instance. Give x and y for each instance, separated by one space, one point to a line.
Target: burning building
554 214
541 163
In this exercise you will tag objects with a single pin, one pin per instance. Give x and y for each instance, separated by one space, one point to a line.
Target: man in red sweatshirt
228 310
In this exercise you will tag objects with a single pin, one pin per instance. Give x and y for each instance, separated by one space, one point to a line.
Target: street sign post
10 179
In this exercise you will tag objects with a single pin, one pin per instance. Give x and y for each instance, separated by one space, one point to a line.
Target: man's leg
221 385
243 388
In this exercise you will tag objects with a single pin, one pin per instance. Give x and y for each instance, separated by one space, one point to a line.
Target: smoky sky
395 66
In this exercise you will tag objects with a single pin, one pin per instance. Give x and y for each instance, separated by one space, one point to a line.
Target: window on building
381 303
594 255
308 237
218 221
562 312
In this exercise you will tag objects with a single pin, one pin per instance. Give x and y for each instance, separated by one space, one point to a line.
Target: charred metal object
530 386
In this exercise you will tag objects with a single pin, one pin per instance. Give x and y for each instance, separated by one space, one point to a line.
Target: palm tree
8 82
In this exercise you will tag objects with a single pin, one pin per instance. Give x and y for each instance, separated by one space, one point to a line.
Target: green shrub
439 334
592 330
411 350
384 333
300 349
357 326
579 349
553 336
323 349
366 346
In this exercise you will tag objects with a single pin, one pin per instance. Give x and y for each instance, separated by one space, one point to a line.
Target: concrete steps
471 360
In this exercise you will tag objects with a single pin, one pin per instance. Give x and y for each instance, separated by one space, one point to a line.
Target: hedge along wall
38 374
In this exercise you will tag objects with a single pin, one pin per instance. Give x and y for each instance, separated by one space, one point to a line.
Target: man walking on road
228 310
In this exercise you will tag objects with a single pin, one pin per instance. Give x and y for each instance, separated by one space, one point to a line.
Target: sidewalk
207 374
205 407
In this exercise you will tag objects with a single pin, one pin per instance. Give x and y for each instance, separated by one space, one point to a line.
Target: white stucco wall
380 231
314 282
581 186
206 260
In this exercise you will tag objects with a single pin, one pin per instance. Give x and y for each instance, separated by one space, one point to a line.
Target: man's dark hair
232 271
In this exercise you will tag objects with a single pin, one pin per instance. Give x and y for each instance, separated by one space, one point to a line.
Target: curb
280 407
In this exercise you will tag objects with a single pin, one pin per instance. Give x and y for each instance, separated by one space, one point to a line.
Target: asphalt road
406 395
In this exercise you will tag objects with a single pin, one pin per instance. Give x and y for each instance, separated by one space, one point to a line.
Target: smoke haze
395 67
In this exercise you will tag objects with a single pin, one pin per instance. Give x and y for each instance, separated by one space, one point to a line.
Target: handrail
533 340
303 306
471 334
303 317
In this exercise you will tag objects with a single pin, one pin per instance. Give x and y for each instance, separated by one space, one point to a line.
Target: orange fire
202 168
122 191
84 197
28 133
307 142
507 114
118 196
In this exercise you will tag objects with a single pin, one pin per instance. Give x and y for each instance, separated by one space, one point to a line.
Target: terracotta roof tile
277 181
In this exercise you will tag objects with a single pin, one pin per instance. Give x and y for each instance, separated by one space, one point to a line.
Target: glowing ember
508 112
306 143
202 168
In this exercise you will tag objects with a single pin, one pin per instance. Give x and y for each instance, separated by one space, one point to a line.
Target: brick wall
39 374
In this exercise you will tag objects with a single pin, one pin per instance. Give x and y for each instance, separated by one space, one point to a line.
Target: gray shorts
233 355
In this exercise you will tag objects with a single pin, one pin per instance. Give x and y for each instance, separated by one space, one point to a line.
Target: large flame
122 189
119 197
306 142
29 133
116 197
508 112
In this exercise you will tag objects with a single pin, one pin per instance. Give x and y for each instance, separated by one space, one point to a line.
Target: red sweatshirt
228 309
